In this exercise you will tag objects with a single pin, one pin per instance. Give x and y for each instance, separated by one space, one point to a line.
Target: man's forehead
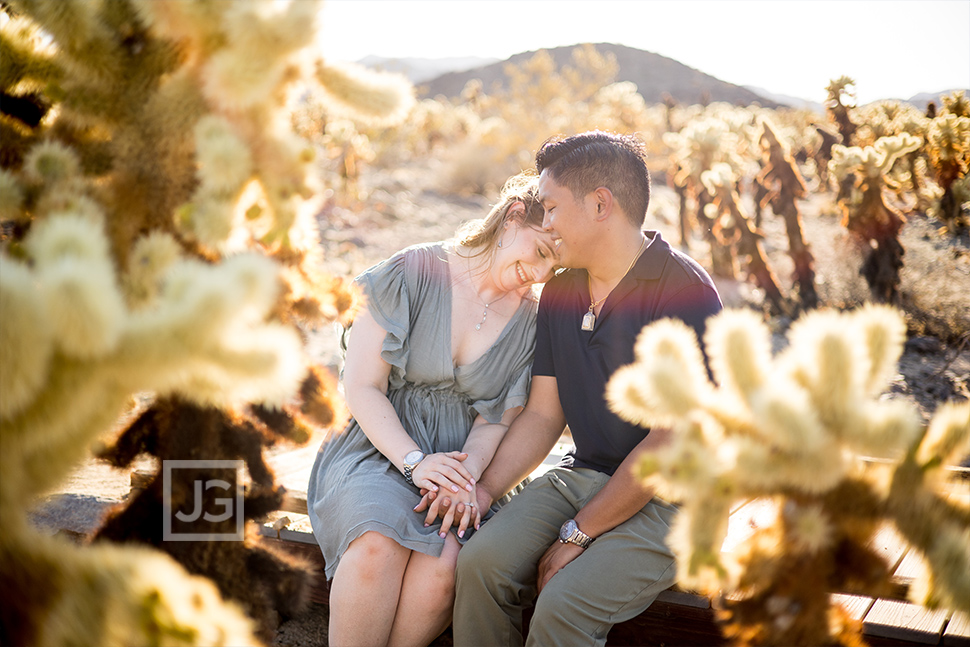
547 186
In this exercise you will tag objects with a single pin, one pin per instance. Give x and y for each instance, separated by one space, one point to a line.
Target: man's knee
475 558
562 615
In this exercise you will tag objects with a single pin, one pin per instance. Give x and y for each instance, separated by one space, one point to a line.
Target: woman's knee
373 554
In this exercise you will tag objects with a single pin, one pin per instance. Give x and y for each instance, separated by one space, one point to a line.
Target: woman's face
527 256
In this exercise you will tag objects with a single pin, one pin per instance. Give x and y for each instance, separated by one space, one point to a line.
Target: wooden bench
677 617
683 618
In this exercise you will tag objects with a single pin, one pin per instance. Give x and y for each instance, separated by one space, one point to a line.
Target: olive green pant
615 579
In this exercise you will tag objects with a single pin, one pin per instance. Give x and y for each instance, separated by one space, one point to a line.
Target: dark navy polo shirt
663 283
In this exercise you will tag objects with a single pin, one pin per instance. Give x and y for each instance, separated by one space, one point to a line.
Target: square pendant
588 320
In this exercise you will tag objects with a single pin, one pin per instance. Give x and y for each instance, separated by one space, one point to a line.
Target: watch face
567 530
414 457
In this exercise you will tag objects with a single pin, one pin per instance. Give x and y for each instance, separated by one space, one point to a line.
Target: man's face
566 218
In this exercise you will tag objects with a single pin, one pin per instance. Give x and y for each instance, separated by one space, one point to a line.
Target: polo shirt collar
651 263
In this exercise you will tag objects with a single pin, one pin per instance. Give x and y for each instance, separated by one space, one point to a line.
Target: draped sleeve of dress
354 488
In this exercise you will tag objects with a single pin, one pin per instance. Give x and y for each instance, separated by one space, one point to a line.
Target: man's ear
603 201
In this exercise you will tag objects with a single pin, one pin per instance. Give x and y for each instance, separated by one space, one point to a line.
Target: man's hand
555 558
464 510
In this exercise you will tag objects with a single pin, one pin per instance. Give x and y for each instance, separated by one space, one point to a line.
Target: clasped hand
443 470
463 509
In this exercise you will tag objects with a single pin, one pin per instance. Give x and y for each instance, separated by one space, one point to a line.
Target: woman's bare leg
427 597
365 591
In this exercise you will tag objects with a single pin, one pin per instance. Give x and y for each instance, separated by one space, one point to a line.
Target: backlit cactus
716 137
159 236
795 428
868 215
948 149
733 228
784 186
839 101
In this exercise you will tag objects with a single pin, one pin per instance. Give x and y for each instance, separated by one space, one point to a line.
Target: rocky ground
403 206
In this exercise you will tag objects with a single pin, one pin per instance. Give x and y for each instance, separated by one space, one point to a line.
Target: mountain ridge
447 76
654 75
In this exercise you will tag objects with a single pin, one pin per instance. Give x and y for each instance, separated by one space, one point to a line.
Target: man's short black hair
587 161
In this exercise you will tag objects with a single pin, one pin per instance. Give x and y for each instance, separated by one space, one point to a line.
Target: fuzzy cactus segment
797 429
160 237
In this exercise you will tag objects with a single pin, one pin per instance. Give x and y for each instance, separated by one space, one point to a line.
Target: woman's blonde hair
482 236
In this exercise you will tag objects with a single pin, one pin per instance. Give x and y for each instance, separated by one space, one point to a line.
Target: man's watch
571 534
411 461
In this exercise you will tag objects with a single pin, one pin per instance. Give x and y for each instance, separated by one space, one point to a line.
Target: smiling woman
427 416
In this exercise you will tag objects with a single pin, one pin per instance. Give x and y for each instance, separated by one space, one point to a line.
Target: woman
437 366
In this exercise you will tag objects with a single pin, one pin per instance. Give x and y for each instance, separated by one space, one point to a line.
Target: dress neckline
448 314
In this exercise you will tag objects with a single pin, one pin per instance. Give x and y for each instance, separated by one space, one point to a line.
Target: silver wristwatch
571 534
411 461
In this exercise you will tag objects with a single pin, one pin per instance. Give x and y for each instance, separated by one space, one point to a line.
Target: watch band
410 462
571 534
407 473
579 538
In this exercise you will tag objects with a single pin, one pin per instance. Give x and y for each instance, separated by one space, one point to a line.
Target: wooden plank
674 596
855 606
889 544
913 566
905 621
748 519
292 467
957 633
294 501
664 623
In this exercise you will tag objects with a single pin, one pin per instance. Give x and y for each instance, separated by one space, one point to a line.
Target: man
587 537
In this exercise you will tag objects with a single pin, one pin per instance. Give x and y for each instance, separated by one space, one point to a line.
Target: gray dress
353 487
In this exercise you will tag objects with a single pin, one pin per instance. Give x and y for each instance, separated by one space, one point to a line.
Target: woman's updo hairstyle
482 236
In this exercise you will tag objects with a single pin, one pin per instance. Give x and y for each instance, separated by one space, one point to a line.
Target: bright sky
892 48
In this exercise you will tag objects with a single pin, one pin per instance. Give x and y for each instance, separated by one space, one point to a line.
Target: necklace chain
487 304
478 326
589 319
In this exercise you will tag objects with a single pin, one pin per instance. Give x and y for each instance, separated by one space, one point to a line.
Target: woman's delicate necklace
478 326
487 304
589 319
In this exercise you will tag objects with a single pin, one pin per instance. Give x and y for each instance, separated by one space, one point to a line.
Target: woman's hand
461 509
443 470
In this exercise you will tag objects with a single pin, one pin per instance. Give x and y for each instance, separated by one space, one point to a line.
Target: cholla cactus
795 428
888 119
784 184
714 137
867 214
840 99
159 236
732 226
948 148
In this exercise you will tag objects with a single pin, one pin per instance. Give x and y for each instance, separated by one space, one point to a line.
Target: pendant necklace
589 319
478 326
487 305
